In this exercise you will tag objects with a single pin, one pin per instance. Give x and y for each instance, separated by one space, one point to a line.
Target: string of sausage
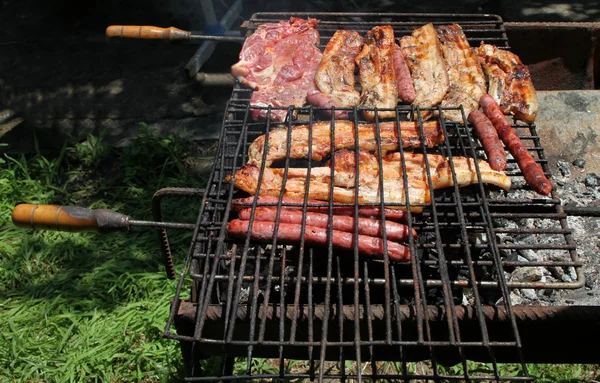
289 233
489 139
532 172
363 211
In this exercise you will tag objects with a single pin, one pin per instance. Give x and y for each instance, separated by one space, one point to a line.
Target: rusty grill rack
449 305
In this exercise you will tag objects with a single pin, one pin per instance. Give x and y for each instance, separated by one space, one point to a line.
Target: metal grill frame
211 246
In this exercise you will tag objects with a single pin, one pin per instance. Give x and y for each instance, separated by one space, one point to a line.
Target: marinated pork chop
423 54
466 78
279 61
509 82
262 56
377 74
344 139
319 187
335 74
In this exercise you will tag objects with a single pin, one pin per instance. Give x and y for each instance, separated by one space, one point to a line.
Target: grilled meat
290 233
335 74
465 76
377 74
366 226
279 61
368 137
423 54
509 82
290 203
270 48
532 172
406 89
344 173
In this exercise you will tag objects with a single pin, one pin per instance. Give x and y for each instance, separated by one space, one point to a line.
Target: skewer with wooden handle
79 219
148 32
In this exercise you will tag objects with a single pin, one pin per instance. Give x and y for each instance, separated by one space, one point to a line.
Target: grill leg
191 358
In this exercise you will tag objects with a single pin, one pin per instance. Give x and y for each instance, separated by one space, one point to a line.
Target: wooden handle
68 218
146 32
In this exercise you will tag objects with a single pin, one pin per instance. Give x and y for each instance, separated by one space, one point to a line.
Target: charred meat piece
344 173
377 74
279 61
335 75
343 139
466 78
423 54
509 82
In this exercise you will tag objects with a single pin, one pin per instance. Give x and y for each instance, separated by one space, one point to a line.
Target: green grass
81 307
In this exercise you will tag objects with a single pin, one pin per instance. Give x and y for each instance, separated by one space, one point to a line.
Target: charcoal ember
557 272
566 278
527 274
530 255
589 280
564 168
592 180
529 294
579 162
515 300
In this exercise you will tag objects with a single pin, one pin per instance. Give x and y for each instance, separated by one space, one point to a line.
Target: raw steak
279 62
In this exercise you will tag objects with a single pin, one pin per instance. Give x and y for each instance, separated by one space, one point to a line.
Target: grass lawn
89 307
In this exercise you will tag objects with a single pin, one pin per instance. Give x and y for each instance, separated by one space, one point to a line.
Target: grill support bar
537 328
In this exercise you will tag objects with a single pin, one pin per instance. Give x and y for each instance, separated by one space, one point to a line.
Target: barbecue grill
449 305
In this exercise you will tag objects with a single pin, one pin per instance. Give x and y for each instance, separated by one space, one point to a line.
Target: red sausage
320 100
489 139
366 226
406 89
363 211
533 173
289 233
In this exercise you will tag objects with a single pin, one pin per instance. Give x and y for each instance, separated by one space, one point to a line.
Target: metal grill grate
449 305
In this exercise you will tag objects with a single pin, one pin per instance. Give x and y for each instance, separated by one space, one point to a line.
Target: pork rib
377 73
344 139
423 54
509 82
466 78
335 74
344 173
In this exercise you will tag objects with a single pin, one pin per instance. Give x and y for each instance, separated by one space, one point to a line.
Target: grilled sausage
366 226
406 88
532 172
363 211
489 139
321 100
289 233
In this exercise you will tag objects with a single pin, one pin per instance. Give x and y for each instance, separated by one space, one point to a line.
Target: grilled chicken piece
344 181
344 139
509 82
423 54
466 78
335 74
377 75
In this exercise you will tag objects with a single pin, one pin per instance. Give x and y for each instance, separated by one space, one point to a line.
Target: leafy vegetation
82 306
79 307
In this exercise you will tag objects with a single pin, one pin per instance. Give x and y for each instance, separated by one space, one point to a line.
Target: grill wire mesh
319 313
